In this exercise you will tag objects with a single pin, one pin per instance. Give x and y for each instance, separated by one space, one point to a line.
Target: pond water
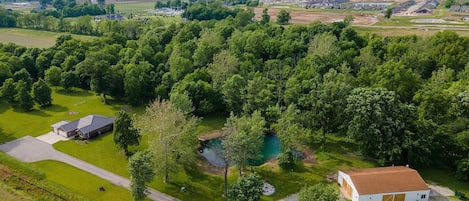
214 147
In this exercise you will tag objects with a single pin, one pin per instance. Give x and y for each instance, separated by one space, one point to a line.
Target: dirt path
30 149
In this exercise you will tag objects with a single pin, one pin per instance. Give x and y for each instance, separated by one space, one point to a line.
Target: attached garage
56 128
396 183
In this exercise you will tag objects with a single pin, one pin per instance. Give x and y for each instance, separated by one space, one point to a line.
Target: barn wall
342 176
409 196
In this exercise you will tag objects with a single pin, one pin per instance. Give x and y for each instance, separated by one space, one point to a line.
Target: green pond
269 150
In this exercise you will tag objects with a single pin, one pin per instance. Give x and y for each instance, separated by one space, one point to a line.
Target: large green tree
247 188
124 132
23 97
318 192
283 17
52 75
42 93
378 123
9 90
244 145
141 171
171 134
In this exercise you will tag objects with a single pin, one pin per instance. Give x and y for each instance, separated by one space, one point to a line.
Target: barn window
423 196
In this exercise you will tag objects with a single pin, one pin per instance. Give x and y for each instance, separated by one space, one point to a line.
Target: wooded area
404 99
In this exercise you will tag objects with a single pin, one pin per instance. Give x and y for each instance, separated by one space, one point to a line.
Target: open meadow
33 38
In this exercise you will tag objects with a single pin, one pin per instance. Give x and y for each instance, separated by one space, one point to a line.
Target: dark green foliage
125 134
247 188
53 75
23 75
286 161
283 17
9 90
23 98
69 79
318 192
265 16
211 11
141 171
42 93
388 13
463 169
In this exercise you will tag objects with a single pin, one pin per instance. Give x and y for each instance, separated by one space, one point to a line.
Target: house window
423 196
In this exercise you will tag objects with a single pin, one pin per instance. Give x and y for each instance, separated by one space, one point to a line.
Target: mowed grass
390 31
134 7
66 106
100 151
82 182
444 178
33 38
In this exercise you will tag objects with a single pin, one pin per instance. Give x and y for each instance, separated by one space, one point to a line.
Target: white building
396 183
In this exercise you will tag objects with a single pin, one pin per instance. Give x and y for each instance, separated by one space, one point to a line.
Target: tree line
402 98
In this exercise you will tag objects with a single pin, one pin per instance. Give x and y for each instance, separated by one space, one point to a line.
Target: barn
395 183
87 127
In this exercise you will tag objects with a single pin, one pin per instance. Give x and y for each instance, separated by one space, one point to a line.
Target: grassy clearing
100 151
82 182
135 7
389 31
66 106
445 178
33 38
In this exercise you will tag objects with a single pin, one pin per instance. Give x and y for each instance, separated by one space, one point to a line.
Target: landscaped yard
66 106
337 154
82 182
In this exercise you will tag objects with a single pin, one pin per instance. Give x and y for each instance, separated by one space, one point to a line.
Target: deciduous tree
141 171
23 97
42 93
247 188
318 192
171 134
124 132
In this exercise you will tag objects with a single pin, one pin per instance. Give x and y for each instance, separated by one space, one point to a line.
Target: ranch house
87 127
396 183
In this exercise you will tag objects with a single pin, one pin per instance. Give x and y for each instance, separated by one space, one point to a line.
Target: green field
134 7
66 106
33 38
82 182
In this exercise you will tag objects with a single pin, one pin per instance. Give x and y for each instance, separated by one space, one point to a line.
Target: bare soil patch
306 17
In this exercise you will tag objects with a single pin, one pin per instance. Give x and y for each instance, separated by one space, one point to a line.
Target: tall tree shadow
5 137
55 108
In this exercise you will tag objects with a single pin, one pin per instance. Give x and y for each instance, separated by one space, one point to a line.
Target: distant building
396 183
459 8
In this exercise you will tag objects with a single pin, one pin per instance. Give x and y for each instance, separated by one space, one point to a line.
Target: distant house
396 183
87 127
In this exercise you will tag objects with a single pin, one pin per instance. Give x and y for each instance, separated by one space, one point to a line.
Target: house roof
59 124
88 123
386 180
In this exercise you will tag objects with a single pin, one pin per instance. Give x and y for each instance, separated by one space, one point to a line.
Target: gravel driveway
30 149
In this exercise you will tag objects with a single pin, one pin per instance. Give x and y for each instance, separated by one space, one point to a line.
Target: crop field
32 38
307 16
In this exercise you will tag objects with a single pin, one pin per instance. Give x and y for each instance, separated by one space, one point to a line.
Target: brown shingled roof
386 180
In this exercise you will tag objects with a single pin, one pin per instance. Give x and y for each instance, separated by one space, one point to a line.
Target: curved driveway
30 149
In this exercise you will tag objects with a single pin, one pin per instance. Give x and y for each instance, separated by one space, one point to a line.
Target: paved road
30 149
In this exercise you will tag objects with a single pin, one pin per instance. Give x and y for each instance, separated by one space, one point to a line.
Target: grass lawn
82 182
389 31
444 178
66 106
100 151
134 7
33 38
